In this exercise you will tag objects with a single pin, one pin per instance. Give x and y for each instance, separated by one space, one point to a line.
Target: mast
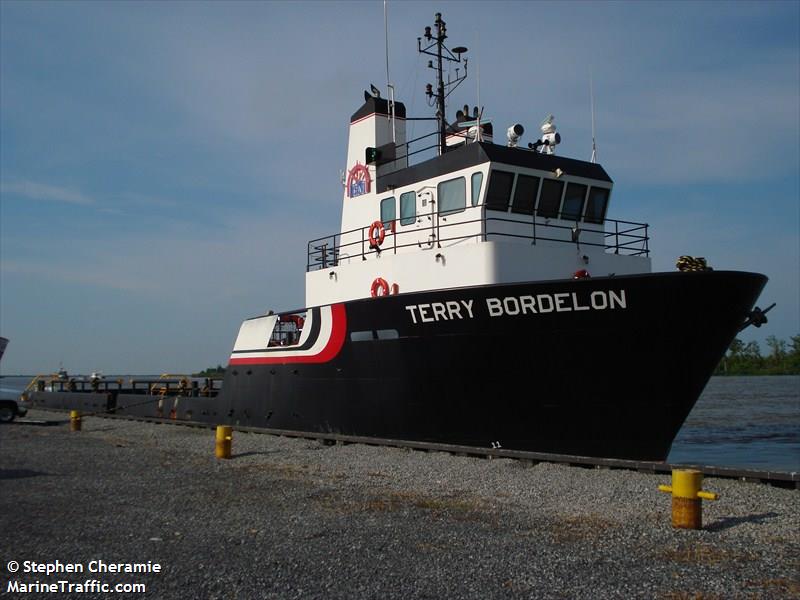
442 54
389 85
591 100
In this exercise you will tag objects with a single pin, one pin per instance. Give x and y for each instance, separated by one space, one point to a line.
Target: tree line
217 371
746 359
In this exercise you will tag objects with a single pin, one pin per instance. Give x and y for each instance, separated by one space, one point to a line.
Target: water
12 387
740 422
744 422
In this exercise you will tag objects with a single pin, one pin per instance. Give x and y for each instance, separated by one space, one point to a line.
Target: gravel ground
291 518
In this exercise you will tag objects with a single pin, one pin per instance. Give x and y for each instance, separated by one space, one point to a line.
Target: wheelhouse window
477 180
573 202
388 211
499 191
550 198
525 194
452 195
408 208
597 205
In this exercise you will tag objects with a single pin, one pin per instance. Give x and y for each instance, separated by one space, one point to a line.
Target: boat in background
480 297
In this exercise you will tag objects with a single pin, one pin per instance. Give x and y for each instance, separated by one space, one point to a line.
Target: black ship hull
606 367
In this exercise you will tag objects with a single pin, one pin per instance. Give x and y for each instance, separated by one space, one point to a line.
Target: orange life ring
377 233
379 284
581 274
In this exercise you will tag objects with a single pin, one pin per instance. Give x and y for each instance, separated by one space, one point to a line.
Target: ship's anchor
756 317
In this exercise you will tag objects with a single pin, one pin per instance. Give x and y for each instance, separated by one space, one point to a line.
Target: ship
477 294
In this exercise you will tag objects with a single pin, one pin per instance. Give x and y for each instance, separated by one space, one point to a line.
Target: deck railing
184 386
624 237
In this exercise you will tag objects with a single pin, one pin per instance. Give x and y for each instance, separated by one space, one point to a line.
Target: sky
164 164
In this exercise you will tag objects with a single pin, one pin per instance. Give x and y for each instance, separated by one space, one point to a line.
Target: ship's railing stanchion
362 245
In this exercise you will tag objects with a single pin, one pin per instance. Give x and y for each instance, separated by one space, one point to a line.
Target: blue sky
163 165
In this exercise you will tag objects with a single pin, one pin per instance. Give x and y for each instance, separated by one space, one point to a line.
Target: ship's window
573 202
477 180
596 207
388 211
388 334
408 208
550 198
288 330
499 191
525 194
452 196
361 336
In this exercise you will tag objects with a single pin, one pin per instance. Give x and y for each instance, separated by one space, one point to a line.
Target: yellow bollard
224 440
74 420
687 510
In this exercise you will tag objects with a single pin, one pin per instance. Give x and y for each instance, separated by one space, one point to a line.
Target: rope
692 263
116 408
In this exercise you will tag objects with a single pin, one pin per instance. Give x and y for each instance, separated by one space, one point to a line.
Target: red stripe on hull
329 352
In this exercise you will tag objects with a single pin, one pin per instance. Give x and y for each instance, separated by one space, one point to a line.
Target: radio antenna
478 136
389 85
386 36
478 67
434 46
591 100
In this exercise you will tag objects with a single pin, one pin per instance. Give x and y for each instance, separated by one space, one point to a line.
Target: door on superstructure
417 219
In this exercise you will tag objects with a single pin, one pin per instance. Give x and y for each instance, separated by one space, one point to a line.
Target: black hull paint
615 381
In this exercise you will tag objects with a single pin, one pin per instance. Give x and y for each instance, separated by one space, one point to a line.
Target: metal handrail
630 241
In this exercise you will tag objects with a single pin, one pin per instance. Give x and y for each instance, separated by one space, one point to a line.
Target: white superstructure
480 213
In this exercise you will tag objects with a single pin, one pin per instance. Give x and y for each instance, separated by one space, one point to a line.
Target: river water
739 422
744 422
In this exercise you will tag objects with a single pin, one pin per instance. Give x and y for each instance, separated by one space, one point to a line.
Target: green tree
737 346
211 372
777 355
793 357
777 348
746 359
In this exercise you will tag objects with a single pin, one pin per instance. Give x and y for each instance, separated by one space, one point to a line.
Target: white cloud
42 191
63 272
170 298
178 261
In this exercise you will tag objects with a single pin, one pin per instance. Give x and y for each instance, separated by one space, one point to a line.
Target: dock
293 517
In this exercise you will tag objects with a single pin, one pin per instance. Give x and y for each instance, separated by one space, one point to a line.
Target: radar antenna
436 48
